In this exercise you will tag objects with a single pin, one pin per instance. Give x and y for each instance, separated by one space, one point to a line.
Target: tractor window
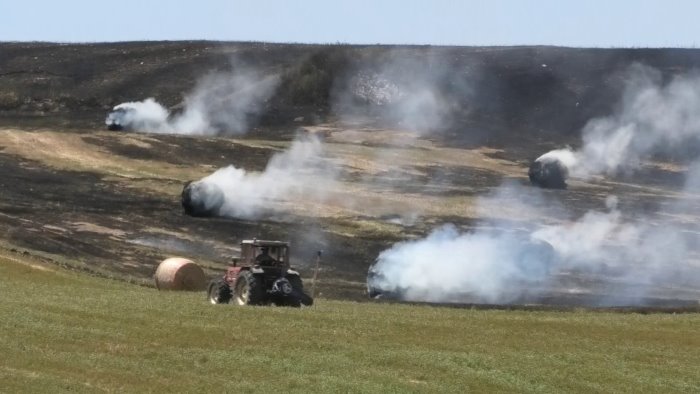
278 253
270 251
248 253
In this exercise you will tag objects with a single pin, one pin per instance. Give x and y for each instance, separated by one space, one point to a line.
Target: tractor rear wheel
249 290
219 292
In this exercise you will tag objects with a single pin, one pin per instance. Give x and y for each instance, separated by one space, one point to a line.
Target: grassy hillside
62 331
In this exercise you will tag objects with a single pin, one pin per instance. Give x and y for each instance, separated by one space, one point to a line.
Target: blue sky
598 23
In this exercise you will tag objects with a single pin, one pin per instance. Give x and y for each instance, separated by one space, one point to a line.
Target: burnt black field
517 102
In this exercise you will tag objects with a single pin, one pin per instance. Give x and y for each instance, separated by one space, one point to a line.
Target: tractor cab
263 254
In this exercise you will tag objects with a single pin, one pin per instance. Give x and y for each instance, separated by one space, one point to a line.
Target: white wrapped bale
177 273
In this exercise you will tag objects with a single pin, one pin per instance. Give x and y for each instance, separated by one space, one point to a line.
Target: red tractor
261 276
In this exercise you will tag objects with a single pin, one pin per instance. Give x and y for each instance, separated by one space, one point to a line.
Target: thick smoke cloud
450 265
632 255
220 104
140 115
297 174
654 117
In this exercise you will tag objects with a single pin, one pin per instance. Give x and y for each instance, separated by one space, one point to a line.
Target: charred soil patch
109 202
103 225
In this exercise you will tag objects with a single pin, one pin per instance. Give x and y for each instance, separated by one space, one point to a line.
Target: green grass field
63 331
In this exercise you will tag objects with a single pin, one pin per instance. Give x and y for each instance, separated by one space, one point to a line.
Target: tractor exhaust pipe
315 278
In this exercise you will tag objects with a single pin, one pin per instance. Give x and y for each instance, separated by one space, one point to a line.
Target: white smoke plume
449 265
654 117
408 92
631 255
630 260
220 104
296 174
565 156
375 89
395 98
607 240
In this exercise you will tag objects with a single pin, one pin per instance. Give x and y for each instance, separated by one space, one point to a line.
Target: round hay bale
202 199
177 273
548 174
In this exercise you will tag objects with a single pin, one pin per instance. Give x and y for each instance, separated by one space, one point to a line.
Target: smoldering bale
202 199
548 174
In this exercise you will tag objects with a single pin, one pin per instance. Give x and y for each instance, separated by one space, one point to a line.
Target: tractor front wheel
249 290
219 292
